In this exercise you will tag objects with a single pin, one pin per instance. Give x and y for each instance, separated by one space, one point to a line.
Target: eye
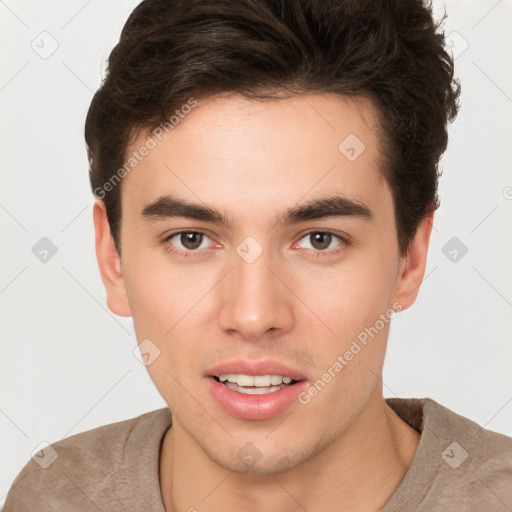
320 241
190 243
186 241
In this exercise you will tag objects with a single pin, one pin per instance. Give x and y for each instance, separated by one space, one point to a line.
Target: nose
256 299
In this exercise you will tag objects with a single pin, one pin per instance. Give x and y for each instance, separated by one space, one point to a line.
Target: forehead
268 152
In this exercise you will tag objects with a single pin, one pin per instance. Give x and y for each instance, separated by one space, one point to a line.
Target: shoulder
486 448
435 420
458 462
91 470
477 463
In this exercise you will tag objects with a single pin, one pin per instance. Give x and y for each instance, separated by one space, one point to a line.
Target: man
266 176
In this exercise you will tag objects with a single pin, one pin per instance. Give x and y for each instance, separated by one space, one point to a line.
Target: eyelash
344 242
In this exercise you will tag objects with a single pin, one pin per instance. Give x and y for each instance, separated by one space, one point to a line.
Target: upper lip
260 367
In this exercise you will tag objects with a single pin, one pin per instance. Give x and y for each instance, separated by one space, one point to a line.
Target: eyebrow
169 206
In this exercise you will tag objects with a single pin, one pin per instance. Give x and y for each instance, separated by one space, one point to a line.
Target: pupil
321 240
191 240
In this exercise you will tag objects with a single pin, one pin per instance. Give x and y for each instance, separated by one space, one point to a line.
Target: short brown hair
391 51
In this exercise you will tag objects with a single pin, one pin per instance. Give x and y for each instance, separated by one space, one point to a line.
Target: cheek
351 297
169 304
350 301
351 352
159 293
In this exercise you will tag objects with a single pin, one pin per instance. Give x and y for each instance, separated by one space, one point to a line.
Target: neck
359 471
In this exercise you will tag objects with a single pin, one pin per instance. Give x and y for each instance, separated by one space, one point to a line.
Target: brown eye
191 240
323 242
187 241
320 241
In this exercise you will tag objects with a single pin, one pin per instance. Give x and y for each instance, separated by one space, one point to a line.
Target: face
259 238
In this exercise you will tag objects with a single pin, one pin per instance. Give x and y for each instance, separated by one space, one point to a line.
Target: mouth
255 390
255 384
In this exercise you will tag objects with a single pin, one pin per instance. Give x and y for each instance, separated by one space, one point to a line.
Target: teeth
245 380
260 381
253 390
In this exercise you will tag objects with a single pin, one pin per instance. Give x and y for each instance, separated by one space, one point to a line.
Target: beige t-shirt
458 466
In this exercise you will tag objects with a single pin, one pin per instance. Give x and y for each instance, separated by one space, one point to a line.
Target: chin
246 458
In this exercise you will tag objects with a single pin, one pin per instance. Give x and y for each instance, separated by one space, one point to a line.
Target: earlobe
412 265
109 263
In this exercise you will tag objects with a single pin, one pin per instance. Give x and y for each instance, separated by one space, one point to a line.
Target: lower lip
255 407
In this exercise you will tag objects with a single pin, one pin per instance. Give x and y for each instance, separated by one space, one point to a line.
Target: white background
67 363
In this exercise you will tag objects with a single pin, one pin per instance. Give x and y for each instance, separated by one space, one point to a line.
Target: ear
412 265
109 263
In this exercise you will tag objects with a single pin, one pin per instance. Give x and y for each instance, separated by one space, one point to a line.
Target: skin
297 304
